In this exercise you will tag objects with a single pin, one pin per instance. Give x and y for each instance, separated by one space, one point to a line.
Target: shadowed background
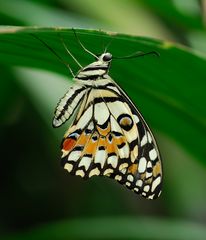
41 201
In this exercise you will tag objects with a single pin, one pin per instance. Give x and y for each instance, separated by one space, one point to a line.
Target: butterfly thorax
97 69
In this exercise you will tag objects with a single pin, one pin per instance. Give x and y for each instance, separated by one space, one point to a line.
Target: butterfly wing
145 176
68 104
110 137
94 143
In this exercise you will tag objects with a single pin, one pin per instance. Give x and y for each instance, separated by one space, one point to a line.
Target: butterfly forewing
108 136
68 104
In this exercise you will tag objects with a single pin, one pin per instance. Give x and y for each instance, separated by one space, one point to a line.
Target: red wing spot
68 144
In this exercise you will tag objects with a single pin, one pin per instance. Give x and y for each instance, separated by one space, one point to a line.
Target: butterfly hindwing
145 177
110 137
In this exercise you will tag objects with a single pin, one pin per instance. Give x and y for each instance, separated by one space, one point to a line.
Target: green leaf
168 90
115 228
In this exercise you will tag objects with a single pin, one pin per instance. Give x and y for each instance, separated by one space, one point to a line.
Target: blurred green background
38 199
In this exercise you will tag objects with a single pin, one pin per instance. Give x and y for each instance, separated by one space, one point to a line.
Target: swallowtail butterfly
108 135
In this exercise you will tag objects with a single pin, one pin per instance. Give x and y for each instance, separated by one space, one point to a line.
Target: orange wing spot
126 122
133 169
119 140
82 140
102 142
104 132
91 147
68 144
157 169
110 147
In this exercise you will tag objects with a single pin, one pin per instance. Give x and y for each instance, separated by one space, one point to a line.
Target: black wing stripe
68 104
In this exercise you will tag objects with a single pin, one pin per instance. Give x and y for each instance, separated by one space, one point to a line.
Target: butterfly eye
107 57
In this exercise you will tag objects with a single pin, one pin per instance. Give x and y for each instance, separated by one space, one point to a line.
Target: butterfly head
105 57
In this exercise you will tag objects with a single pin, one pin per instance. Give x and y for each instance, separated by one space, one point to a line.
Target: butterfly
108 136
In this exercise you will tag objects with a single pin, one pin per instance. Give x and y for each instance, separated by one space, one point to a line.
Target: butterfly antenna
108 44
103 45
138 54
54 52
83 47
68 51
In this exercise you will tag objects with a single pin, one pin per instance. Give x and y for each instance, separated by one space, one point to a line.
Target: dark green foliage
39 200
